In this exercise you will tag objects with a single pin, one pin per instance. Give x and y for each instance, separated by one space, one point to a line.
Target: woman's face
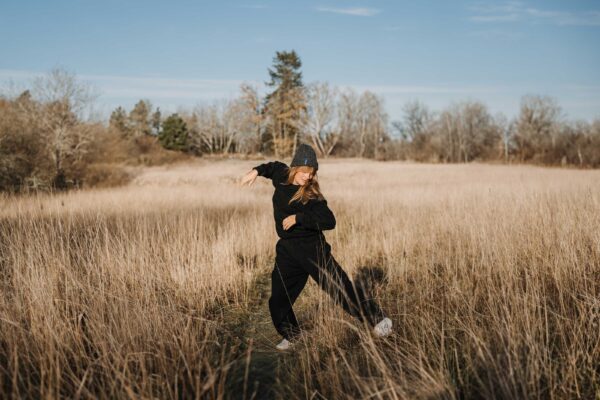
303 175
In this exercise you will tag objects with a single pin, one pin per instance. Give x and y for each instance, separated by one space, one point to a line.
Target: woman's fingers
288 222
247 179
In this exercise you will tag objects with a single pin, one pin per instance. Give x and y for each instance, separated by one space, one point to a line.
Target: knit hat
305 155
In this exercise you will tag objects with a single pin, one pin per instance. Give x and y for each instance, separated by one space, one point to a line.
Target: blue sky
183 53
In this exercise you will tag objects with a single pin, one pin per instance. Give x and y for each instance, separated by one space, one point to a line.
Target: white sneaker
383 328
284 345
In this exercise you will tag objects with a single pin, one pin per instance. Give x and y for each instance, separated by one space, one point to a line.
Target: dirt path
255 374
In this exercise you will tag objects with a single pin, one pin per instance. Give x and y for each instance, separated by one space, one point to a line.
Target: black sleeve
319 217
273 170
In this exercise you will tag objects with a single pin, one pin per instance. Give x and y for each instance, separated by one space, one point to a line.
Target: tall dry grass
159 289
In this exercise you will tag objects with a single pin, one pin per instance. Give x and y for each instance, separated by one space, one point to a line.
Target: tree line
49 140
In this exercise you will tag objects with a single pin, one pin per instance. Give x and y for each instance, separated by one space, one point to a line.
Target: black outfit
302 251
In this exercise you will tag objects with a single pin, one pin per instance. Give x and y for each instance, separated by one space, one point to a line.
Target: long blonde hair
305 192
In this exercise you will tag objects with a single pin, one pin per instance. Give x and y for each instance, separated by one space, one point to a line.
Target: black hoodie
311 218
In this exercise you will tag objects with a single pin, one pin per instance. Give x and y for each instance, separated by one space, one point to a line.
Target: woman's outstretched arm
273 170
269 169
319 217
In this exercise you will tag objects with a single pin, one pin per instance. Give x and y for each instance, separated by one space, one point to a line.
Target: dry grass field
159 289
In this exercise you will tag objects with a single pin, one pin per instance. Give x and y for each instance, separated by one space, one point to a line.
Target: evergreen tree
118 121
286 103
174 134
286 74
24 97
155 122
139 118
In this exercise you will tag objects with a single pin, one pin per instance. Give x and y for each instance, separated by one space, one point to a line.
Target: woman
301 214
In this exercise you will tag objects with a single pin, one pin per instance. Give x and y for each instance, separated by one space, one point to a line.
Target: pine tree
118 121
174 134
139 118
286 103
155 122
286 74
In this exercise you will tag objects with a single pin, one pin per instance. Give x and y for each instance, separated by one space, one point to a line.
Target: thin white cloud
114 86
357 11
173 88
496 34
18 74
172 94
506 7
513 11
591 18
426 89
494 18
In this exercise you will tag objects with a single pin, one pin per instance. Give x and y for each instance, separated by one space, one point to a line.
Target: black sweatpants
296 260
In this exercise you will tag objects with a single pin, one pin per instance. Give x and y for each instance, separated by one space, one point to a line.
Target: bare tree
347 119
466 131
24 163
478 134
416 130
579 142
506 129
372 124
252 118
204 128
65 103
216 128
232 124
416 119
537 127
447 135
320 113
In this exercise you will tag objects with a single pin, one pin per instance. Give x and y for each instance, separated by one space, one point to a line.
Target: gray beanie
305 155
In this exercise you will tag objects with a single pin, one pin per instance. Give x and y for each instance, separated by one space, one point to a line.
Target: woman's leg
352 298
287 281
320 264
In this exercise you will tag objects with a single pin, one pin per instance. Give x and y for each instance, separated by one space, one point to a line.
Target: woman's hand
289 221
249 178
